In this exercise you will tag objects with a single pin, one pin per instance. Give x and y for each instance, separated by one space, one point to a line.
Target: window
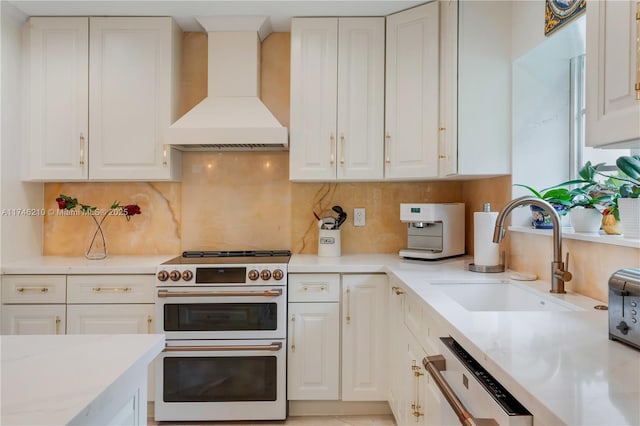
580 153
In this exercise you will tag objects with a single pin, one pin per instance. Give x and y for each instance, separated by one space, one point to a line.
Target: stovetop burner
236 253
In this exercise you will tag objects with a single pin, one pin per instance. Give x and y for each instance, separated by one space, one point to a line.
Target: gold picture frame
558 12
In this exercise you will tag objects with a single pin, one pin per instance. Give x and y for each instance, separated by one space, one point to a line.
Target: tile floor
381 420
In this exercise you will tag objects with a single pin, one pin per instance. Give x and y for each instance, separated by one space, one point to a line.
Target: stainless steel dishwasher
466 393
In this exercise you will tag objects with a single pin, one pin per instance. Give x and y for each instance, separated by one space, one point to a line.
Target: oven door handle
273 347
434 365
266 293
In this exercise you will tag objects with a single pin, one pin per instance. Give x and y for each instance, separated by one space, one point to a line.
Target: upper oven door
252 312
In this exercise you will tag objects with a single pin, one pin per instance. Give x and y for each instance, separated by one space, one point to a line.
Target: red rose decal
62 204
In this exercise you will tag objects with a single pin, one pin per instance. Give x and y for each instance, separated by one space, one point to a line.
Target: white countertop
49 380
560 365
113 264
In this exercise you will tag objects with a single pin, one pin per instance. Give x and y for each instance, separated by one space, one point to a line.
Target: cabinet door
396 347
360 98
313 364
411 116
613 113
416 386
364 319
448 127
33 319
110 319
130 96
314 64
56 131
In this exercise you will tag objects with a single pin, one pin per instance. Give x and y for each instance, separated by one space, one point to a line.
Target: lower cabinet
314 351
364 319
33 319
79 304
337 332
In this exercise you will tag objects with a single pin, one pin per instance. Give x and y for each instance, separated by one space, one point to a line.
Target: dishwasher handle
434 365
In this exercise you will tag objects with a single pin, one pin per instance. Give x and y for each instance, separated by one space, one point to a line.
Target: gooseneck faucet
558 273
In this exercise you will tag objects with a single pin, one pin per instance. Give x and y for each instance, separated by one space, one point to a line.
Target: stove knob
187 275
278 274
265 274
253 274
174 275
163 275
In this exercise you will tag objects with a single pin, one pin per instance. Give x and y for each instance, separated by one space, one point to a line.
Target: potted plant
629 201
558 197
591 200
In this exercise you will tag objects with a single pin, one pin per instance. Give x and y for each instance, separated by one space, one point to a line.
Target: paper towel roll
485 251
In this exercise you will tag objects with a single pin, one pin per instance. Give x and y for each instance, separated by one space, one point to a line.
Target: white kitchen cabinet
313 360
396 347
33 319
411 113
612 72
475 82
337 99
110 319
33 304
313 371
101 92
364 321
57 93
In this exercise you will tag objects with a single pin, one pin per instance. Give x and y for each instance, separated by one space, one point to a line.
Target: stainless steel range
224 317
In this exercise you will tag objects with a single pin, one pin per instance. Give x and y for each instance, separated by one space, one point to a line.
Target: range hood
232 117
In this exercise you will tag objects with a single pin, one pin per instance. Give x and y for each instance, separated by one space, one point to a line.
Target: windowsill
569 234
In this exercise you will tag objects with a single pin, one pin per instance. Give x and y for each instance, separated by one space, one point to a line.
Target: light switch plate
359 216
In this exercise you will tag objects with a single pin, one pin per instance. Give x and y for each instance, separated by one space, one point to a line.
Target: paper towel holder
488 268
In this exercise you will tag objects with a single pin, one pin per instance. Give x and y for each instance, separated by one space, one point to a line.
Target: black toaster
624 305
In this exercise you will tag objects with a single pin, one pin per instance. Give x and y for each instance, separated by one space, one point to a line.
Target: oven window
220 317
219 379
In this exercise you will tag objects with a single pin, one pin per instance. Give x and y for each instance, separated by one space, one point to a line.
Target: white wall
21 236
541 100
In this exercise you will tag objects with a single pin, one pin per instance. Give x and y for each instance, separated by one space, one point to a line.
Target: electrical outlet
358 216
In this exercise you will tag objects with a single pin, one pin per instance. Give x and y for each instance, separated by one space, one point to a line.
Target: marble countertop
113 264
52 379
560 365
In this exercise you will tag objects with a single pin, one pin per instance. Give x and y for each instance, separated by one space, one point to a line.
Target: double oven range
224 317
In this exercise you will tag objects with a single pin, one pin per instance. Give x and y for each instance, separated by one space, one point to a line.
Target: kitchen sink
502 296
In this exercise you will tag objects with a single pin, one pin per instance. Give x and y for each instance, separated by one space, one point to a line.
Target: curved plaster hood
232 117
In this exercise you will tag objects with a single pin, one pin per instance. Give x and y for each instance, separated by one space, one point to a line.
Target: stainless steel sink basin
502 296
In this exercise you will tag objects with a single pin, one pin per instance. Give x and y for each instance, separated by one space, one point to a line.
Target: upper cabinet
475 81
101 92
337 99
411 116
612 72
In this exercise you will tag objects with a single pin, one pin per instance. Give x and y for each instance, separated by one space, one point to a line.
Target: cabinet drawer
314 287
413 318
33 288
110 289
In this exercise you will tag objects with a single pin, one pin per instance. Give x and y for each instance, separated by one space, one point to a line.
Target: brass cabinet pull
81 149
149 321
342 149
314 287
637 87
387 141
348 315
273 347
32 289
397 290
265 293
164 154
293 333
416 383
332 148
57 324
111 289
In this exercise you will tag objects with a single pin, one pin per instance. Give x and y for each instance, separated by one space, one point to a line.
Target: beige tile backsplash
244 200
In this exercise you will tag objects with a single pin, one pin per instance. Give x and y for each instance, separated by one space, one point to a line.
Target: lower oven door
251 312
221 380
